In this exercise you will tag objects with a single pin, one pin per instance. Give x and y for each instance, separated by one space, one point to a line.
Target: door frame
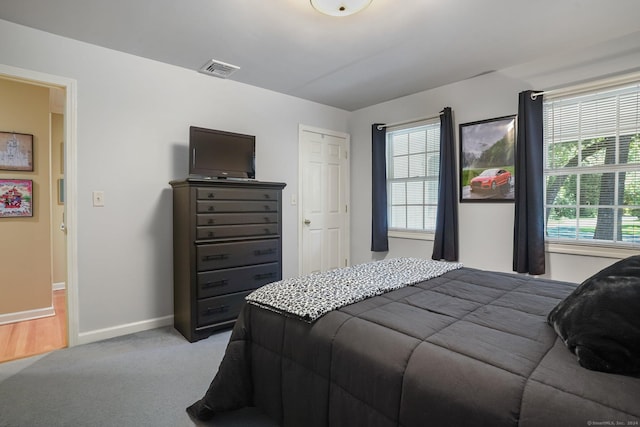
71 181
305 128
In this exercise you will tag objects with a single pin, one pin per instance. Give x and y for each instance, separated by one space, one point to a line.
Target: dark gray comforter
467 348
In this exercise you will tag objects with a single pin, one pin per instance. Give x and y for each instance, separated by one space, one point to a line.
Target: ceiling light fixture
340 7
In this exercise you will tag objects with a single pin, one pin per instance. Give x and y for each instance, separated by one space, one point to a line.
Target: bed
467 347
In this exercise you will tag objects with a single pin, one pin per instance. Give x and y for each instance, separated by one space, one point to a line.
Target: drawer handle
211 196
267 231
211 234
211 222
211 311
267 196
264 252
215 284
264 276
211 208
215 257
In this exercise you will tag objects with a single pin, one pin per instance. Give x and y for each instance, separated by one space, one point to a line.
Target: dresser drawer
237 254
257 230
236 218
236 206
219 309
236 194
230 280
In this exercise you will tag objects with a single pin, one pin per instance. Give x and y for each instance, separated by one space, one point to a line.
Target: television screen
220 154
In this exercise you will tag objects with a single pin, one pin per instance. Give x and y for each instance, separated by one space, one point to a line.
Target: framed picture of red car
487 159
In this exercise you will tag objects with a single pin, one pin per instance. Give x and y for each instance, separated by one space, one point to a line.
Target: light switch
98 198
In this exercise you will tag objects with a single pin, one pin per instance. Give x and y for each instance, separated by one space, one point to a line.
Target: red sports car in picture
491 179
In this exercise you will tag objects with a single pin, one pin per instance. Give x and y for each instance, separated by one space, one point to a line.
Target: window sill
413 235
590 250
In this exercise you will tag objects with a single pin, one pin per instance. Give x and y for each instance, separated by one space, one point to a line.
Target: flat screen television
220 154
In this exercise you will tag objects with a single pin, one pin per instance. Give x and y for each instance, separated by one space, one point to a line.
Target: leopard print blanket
309 297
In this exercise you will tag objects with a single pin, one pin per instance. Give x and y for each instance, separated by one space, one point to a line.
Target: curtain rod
534 95
388 125
594 85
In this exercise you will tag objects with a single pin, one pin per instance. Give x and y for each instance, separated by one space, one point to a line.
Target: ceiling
391 49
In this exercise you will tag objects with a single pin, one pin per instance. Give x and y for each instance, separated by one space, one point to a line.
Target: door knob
307 222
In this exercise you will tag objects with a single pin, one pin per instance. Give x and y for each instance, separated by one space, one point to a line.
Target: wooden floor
31 337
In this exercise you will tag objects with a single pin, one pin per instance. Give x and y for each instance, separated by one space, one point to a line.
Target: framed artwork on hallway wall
16 151
61 191
16 198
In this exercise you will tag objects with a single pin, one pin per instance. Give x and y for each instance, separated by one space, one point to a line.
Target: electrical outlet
98 198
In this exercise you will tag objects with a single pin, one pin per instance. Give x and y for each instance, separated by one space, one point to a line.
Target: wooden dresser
227 241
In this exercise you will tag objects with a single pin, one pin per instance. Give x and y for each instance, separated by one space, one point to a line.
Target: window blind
412 175
592 154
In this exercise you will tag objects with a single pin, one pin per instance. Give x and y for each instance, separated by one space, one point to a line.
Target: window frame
429 125
613 248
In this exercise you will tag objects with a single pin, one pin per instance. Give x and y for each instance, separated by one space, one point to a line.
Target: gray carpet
143 379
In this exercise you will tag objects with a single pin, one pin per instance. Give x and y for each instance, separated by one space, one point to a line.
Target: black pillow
600 321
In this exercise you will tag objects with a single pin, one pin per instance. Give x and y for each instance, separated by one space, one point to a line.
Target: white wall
133 121
485 229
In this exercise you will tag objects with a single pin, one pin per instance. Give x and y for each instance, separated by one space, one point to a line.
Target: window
413 164
592 167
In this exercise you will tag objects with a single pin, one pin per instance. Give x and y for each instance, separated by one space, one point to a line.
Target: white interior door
324 200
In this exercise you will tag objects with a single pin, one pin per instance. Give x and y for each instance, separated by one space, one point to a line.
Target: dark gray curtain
445 244
528 235
379 240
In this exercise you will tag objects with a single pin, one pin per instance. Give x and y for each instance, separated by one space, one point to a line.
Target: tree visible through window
592 167
413 165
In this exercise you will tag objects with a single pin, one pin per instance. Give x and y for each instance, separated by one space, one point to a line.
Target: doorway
323 200
61 190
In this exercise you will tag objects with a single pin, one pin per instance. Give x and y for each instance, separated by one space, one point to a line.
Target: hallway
31 337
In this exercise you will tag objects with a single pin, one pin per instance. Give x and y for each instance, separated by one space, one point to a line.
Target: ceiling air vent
218 69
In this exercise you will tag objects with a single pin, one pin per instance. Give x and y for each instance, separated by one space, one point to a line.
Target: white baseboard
59 286
130 328
21 316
